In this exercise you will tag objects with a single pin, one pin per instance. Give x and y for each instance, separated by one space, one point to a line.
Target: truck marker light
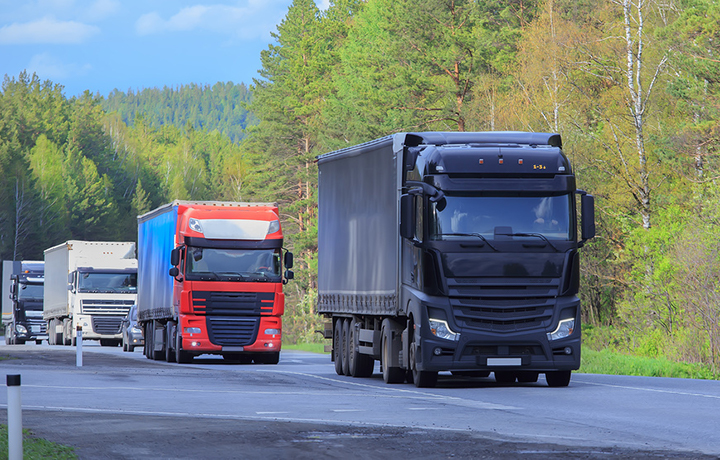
437 351
273 227
520 161
481 161
194 224
194 344
500 160
564 329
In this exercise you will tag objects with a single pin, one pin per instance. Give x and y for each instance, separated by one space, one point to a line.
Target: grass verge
311 347
36 448
608 362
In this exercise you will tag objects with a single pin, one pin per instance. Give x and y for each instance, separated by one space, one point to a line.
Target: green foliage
221 107
301 323
612 363
36 448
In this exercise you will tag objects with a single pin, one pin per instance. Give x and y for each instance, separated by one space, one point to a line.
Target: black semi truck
23 307
452 251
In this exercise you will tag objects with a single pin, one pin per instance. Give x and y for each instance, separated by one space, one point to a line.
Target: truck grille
38 326
503 304
106 324
119 307
232 331
233 303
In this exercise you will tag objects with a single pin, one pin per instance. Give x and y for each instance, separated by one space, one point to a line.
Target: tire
67 329
390 374
359 365
558 378
38 342
505 377
527 377
268 358
51 332
125 344
421 379
146 346
345 347
337 346
19 341
156 355
181 357
169 352
8 335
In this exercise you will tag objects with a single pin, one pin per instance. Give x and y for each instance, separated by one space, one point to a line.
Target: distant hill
218 107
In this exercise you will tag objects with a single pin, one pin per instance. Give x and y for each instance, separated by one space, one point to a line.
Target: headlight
273 227
192 330
565 329
136 330
440 329
272 331
20 329
194 224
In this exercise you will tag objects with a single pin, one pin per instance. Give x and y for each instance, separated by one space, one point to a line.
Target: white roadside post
78 348
14 413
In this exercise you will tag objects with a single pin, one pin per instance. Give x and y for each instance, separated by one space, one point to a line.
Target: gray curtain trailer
452 251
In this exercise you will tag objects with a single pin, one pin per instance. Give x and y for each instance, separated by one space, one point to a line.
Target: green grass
608 362
311 347
36 448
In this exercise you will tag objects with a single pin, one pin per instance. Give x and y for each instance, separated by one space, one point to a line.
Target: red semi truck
210 281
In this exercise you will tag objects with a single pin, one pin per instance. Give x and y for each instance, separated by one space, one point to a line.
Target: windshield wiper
477 235
536 235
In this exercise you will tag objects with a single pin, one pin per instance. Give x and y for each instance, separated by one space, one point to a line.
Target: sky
102 45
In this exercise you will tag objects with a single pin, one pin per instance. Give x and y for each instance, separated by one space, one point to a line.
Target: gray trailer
452 252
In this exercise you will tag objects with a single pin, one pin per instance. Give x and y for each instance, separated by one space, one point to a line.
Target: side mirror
174 272
289 275
175 257
289 260
587 223
407 216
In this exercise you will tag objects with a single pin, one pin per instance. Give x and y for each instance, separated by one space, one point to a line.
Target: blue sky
100 45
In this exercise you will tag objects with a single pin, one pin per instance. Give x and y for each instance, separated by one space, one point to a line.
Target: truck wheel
558 378
8 335
268 358
390 374
169 352
182 357
146 346
359 365
337 347
345 347
156 355
421 379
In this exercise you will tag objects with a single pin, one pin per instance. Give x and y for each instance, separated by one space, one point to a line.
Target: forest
631 85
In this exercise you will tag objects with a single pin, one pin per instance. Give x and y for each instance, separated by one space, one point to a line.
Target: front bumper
486 352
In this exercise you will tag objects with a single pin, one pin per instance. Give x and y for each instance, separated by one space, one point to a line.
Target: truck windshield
107 282
206 264
488 216
30 291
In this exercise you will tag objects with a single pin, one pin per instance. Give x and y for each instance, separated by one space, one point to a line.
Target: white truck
91 284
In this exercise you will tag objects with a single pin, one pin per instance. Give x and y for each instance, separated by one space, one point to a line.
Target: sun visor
226 229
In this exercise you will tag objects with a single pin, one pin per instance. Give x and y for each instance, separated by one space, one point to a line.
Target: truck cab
26 323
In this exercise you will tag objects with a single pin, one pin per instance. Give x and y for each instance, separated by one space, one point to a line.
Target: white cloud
101 9
255 19
52 68
46 30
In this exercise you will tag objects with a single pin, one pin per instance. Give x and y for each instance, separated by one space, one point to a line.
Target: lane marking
653 390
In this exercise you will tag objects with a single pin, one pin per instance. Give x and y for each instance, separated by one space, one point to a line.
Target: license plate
233 349
504 361
35 329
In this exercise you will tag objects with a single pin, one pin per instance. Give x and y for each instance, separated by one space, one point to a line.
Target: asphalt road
121 405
